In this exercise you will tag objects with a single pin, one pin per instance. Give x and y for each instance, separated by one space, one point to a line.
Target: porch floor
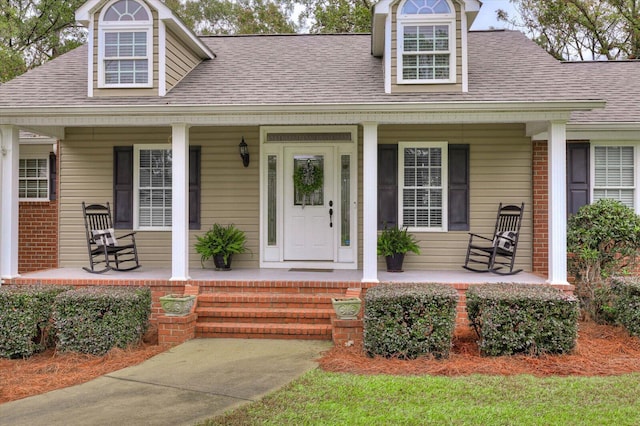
453 277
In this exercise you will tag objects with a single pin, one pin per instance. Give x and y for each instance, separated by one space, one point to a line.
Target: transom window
426 42
33 179
423 175
614 175
153 187
125 46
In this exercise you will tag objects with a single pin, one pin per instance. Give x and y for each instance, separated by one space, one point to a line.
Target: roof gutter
305 108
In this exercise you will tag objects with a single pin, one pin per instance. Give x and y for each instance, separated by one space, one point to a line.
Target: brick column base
175 330
346 332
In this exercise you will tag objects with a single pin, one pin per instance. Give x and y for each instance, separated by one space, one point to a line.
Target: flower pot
347 308
175 305
218 261
394 262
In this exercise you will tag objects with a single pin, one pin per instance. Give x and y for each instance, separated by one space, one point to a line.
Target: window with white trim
153 187
614 175
426 42
125 51
423 185
33 179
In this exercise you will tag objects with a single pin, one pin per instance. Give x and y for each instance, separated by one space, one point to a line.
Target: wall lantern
244 152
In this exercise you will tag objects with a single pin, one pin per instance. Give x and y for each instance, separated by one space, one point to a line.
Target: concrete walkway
182 386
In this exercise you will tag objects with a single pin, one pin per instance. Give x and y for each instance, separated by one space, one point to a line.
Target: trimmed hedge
521 318
25 313
96 319
625 293
409 320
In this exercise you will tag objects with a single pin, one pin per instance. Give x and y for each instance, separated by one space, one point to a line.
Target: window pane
614 174
345 200
422 193
272 182
33 178
154 191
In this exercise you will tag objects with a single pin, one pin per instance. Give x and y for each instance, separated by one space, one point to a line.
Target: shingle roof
328 69
616 81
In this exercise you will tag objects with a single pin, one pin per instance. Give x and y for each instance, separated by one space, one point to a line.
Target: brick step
287 287
263 331
266 300
266 315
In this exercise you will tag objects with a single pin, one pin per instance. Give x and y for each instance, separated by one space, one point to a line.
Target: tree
581 29
336 16
235 17
34 31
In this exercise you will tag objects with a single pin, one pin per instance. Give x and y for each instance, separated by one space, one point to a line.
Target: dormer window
125 45
426 42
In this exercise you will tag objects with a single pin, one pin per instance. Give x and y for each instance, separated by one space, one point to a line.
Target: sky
487 16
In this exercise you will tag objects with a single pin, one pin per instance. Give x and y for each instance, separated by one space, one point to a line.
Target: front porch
265 303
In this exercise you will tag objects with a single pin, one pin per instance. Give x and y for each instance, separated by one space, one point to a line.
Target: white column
370 201
9 158
180 206
557 146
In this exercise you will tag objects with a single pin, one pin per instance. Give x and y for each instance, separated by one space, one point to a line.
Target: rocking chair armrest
472 235
130 234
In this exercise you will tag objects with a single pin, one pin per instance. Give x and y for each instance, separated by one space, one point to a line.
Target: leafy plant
394 240
409 320
603 240
221 240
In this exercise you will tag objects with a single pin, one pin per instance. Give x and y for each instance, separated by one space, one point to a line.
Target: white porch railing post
9 163
180 202
557 146
370 201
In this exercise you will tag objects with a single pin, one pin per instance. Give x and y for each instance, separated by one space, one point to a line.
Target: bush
625 303
603 240
96 319
25 314
409 320
522 318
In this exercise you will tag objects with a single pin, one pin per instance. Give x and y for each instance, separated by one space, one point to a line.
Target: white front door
310 207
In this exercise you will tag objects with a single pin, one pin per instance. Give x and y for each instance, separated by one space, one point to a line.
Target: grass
321 398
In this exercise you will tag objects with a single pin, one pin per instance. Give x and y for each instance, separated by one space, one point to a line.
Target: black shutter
123 187
387 185
194 187
578 179
53 177
459 187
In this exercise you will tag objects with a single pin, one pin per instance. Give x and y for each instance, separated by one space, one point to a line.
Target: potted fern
221 243
393 244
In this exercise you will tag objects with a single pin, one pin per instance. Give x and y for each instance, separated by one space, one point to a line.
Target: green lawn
320 398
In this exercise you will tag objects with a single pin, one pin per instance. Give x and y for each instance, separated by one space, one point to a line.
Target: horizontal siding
230 192
498 154
180 60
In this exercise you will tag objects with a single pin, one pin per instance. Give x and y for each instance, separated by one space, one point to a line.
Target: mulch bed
601 351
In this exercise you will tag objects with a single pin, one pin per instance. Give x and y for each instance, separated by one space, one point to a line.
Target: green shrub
625 303
522 318
25 313
409 320
93 320
603 240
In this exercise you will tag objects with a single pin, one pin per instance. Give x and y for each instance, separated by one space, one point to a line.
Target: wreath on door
308 178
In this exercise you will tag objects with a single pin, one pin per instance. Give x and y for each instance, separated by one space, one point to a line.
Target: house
422 123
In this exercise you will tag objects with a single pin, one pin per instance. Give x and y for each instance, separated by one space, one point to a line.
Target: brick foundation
38 236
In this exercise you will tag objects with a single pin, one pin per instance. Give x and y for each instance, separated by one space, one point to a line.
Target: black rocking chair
498 253
103 246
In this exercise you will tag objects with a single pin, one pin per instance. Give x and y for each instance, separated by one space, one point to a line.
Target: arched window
125 45
426 41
